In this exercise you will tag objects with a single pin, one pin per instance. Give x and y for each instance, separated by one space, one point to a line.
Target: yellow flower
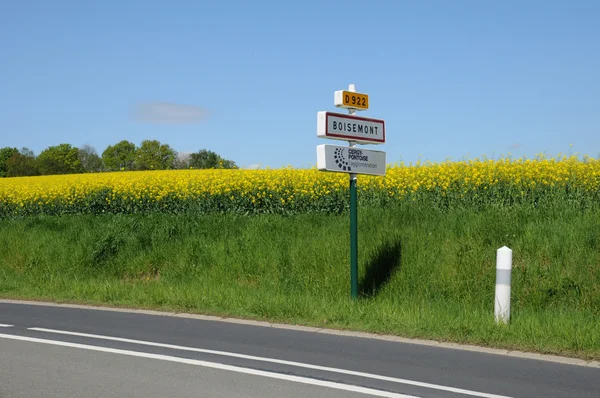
160 189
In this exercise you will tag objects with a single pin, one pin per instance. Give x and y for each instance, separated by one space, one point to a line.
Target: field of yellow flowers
471 183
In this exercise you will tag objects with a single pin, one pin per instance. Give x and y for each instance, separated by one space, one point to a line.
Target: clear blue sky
246 79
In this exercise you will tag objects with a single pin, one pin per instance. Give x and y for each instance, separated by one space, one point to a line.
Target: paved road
66 352
49 371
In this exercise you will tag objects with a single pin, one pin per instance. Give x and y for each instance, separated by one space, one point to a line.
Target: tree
60 159
22 163
205 159
227 164
90 161
152 155
121 156
182 161
5 154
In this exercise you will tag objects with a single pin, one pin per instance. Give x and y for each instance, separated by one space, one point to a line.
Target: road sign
351 100
354 160
339 126
350 159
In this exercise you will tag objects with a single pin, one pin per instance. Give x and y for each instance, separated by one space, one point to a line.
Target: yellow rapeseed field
478 181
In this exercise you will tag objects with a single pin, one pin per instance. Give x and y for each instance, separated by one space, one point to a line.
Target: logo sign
355 160
339 126
351 100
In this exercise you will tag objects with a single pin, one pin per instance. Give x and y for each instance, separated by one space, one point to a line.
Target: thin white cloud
169 113
252 167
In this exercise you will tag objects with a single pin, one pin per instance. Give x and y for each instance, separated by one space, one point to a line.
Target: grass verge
423 273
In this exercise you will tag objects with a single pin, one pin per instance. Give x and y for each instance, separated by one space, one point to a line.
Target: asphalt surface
31 368
47 371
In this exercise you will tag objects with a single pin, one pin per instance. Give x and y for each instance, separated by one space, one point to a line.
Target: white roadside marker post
503 280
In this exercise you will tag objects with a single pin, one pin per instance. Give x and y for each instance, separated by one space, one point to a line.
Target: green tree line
122 156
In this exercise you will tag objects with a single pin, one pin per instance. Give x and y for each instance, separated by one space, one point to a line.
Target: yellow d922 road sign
351 100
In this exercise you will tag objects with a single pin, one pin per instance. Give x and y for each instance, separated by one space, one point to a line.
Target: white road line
2 325
214 365
279 361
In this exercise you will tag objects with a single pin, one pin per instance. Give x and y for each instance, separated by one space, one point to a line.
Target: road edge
347 333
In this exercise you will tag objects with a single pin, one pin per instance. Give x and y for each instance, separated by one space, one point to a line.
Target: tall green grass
424 272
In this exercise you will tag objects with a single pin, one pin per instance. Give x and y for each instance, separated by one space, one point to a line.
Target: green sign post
350 159
353 237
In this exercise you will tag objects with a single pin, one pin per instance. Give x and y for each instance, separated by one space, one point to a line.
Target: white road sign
345 159
339 126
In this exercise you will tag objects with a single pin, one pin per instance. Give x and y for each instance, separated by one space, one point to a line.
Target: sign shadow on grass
381 267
